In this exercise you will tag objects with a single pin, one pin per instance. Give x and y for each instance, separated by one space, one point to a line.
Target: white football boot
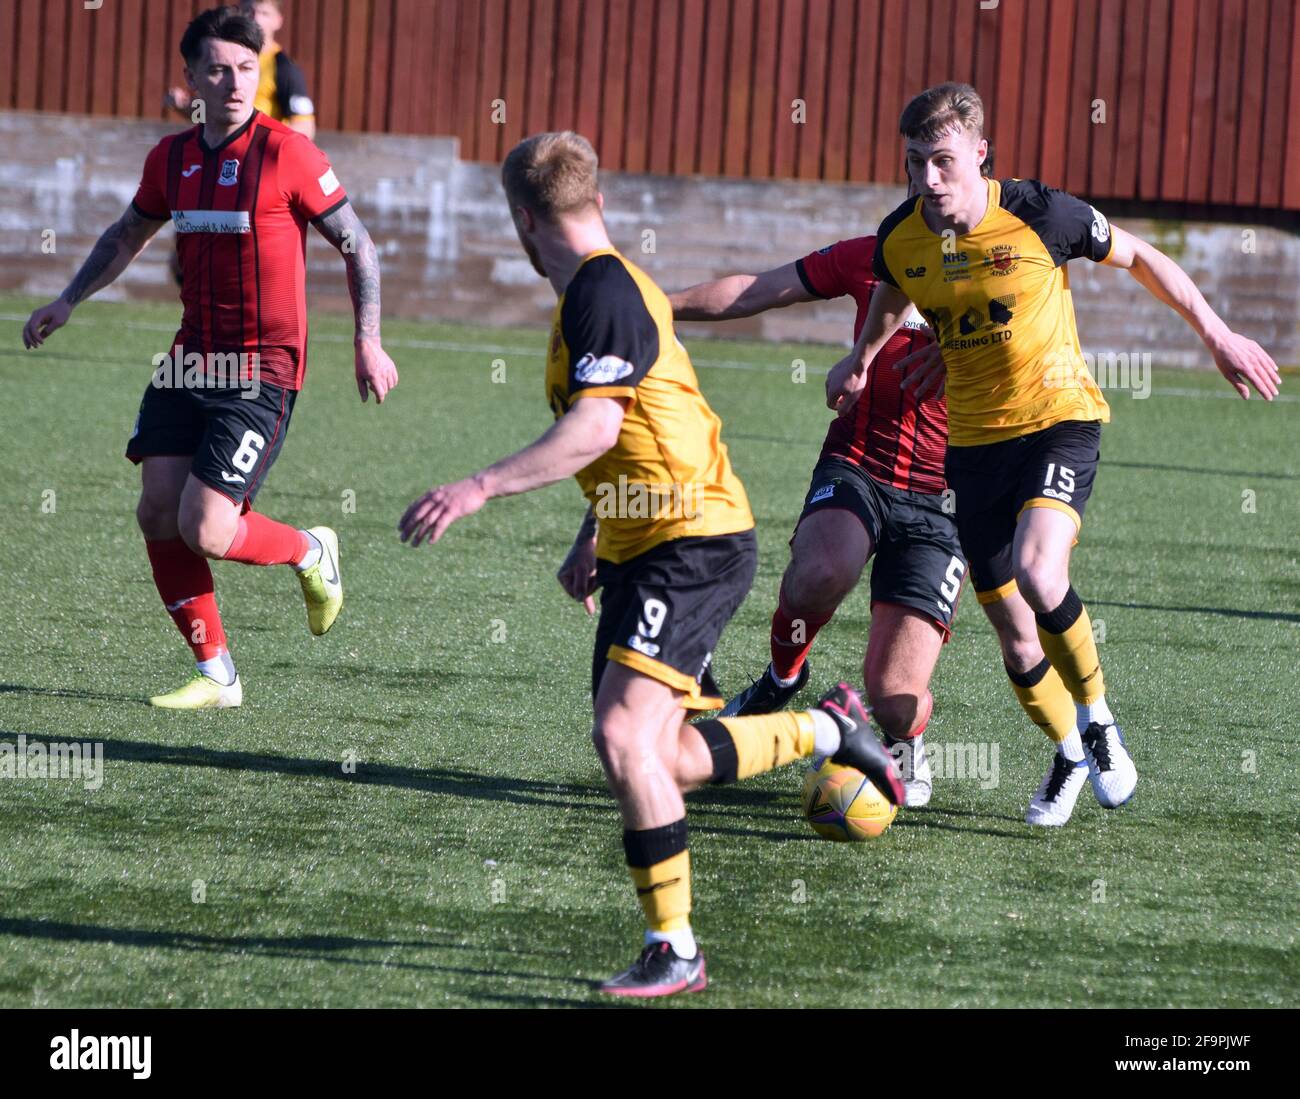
914 763
1061 786
1110 767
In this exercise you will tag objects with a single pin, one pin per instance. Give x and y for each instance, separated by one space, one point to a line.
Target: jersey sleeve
612 337
151 196
838 269
1069 227
291 89
308 180
879 264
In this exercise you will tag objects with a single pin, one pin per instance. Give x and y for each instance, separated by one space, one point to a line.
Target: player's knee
205 535
817 585
1042 581
618 743
157 521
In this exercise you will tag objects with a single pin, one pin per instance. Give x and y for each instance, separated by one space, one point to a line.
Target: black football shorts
234 440
663 611
918 560
994 483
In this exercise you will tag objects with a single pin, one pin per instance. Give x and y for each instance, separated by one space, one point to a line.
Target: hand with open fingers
45 321
924 370
843 385
1243 361
376 372
577 574
428 518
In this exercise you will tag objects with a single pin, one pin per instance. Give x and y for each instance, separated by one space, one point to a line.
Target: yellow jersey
668 475
282 88
998 299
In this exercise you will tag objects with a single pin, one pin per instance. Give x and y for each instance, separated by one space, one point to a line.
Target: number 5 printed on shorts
245 458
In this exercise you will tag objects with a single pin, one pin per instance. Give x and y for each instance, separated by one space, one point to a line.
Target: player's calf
903 718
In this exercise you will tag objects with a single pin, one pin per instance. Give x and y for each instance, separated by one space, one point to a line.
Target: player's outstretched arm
572 443
740 295
376 372
119 244
1239 359
889 306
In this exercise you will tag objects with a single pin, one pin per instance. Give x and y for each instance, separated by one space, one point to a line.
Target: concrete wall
449 250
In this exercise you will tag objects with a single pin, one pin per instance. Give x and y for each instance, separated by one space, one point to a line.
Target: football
841 804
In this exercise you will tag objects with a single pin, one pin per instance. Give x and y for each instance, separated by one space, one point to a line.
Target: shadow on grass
327 948
452 782
1226 612
62 692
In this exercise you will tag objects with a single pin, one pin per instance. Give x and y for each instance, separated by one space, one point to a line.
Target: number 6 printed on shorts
245 458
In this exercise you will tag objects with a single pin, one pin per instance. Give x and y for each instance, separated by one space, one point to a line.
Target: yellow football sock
1066 636
660 867
745 746
1043 696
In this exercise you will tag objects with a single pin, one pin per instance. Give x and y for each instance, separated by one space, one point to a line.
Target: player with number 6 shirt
240 190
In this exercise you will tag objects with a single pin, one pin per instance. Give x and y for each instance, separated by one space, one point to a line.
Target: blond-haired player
668 539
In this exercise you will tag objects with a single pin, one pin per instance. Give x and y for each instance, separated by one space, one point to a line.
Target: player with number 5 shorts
984 260
877 492
240 189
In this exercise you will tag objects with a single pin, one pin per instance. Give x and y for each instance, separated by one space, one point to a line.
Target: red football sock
184 581
792 637
263 541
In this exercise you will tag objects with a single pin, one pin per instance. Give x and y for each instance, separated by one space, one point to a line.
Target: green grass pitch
474 857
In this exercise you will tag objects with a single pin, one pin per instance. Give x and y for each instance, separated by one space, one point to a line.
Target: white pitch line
717 364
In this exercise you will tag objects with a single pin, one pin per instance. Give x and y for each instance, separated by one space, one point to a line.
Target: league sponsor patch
1100 226
301 104
329 182
602 371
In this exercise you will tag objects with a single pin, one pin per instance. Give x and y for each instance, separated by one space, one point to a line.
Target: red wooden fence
1201 98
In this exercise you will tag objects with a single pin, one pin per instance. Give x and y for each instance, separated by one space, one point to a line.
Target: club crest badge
229 173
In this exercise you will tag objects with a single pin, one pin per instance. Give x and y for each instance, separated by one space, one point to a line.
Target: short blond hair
551 174
940 110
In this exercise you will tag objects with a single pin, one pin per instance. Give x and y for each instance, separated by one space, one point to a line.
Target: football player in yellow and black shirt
668 539
984 261
281 88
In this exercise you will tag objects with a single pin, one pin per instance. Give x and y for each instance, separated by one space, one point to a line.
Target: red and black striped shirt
893 437
241 212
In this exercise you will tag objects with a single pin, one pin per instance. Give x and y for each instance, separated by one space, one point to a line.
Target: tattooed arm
120 243
343 229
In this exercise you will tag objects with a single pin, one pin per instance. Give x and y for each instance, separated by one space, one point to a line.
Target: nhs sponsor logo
212 221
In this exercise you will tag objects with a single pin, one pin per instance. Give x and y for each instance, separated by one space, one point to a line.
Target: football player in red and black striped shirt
240 189
878 488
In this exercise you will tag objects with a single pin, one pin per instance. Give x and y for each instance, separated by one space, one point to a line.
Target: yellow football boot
322 586
201 693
